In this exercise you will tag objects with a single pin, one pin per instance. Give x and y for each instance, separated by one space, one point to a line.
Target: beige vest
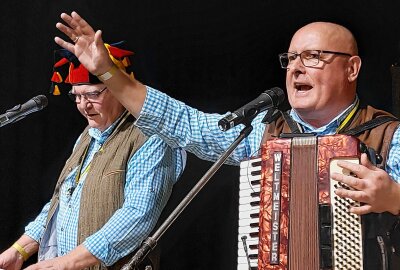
103 190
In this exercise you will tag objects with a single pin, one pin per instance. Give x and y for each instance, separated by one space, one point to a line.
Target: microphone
268 99
20 111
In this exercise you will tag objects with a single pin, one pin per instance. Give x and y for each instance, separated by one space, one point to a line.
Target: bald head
337 37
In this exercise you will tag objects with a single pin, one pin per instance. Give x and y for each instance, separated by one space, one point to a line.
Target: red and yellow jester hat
76 73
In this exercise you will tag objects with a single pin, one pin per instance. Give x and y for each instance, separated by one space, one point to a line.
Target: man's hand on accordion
373 188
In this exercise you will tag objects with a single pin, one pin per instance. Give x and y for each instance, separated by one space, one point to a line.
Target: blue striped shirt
198 132
151 173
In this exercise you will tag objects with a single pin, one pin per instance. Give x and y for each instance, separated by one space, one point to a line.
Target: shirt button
70 206
62 229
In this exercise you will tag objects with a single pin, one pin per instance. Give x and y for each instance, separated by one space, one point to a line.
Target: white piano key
248 243
247 163
246 231
247 207
240 243
248 178
248 192
250 171
247 213
244 186
241 253
248 221
243 260
248 200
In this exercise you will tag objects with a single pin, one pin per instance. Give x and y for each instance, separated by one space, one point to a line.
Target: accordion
291 219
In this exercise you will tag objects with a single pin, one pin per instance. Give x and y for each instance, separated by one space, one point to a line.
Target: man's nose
296 66
85 102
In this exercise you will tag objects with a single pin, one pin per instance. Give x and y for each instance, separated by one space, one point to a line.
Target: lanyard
348 117
79 174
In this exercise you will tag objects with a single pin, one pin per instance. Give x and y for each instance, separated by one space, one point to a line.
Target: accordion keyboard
249 207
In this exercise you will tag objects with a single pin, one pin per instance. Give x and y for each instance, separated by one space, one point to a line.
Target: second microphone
271 98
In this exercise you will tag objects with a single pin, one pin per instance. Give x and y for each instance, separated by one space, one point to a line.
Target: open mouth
91 114
302 87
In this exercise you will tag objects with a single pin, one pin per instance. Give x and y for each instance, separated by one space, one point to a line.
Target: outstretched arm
87 45
373 188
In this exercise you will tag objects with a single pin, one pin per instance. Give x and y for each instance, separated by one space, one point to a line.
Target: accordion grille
346 230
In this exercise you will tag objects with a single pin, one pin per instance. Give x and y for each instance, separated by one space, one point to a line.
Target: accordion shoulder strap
369 125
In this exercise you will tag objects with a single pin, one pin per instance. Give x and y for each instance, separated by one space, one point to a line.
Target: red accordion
303 224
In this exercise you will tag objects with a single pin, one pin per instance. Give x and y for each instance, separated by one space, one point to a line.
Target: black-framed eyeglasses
91 96
309 58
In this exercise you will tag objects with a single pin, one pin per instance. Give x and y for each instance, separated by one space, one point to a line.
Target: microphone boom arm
151 241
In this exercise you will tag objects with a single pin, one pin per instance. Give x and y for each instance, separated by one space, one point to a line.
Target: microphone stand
151 241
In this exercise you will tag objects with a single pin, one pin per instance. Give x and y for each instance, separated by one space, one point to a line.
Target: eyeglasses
309 58
89 96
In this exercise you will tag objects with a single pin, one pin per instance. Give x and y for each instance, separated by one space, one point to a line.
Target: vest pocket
113 173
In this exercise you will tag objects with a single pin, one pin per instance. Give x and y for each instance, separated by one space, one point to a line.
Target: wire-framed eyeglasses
91 96
309 58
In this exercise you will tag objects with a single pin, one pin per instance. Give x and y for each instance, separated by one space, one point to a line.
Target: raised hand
87 45
373 188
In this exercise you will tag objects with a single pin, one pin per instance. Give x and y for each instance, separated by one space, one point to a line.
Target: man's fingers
365 161
98 40
69 20
67 31
358 170
77 19
355 195
350 181
81 25
361 210
64 44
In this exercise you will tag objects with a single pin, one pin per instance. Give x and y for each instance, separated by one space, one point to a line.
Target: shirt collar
99 136
329 128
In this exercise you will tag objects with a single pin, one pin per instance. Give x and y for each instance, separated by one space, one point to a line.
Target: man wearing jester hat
112 188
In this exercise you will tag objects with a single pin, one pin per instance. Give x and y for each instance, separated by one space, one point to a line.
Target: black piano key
254 235
255 194
255 215
253 256
254 225
255 182
255 203
256 164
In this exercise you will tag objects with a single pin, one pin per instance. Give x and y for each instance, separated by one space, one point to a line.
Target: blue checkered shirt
198 132
151 173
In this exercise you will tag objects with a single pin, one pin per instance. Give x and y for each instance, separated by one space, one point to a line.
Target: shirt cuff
99 246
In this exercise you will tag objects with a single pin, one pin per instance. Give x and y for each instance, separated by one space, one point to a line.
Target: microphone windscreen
41 101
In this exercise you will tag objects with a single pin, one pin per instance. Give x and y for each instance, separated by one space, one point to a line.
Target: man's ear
353 68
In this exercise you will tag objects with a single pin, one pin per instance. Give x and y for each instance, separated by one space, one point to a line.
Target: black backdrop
214 55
